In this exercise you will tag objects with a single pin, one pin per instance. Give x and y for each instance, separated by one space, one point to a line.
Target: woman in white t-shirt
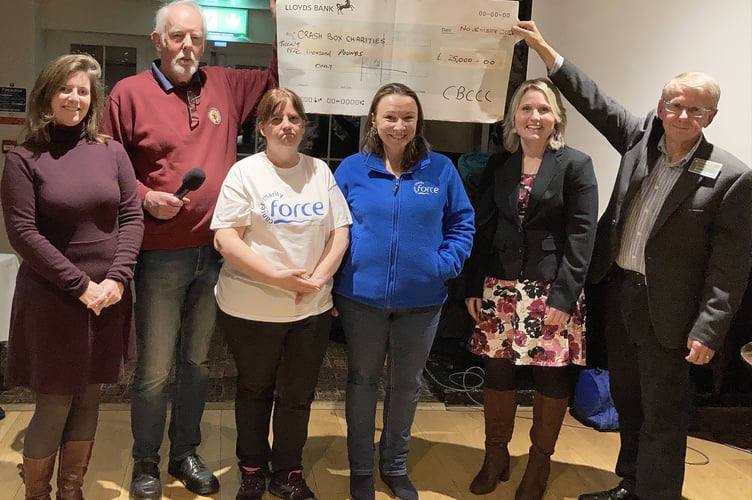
282 226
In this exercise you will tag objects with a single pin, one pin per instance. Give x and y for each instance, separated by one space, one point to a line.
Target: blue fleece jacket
409 234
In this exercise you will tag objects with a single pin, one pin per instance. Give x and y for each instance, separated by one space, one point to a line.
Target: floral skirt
511 326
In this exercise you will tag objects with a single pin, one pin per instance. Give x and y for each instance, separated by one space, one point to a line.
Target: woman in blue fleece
412 230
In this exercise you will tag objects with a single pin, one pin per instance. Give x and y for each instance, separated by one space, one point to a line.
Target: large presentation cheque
456 54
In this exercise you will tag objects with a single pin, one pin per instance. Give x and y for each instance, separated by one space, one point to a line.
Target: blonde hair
556 140
48 83
695 80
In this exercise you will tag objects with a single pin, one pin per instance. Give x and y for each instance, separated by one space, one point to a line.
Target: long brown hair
53 76
371 143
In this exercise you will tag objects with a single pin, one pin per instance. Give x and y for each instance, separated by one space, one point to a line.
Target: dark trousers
649 386
278 365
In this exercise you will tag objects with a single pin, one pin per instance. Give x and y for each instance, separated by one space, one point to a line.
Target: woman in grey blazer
535 233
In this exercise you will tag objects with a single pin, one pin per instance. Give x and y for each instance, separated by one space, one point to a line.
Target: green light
226 21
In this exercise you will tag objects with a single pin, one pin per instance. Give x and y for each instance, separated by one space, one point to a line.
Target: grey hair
694 80
160 19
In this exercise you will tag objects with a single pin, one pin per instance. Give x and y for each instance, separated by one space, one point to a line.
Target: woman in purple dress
535 230
73 215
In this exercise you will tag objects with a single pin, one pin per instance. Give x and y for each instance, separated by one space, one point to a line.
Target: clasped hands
100 295
298 281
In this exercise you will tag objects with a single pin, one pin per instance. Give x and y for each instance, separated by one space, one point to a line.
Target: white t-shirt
288 214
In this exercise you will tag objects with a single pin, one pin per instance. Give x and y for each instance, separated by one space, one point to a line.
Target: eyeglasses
692 111
193 107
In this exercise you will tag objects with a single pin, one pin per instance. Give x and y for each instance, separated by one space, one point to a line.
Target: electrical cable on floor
706 458
460 381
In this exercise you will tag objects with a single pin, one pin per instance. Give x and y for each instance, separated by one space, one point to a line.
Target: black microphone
192 180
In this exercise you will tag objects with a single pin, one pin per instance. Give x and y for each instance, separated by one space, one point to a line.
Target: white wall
632 48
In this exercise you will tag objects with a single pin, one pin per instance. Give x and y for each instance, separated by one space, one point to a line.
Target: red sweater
154 125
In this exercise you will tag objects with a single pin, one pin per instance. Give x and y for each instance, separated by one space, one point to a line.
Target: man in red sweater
171 118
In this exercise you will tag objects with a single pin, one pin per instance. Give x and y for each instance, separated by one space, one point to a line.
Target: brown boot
548 414
74 461
499 409
36 474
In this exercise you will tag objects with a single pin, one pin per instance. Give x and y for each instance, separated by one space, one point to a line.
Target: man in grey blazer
674 248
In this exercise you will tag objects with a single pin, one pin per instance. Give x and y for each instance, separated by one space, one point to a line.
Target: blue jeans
403 337
175 312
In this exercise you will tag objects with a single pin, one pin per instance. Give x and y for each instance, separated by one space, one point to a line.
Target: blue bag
592 403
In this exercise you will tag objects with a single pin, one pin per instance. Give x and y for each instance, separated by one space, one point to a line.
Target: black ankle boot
401 486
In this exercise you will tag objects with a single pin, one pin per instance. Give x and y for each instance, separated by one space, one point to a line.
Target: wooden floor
447 449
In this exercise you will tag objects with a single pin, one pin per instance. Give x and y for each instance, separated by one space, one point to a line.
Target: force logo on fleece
275 211
421 187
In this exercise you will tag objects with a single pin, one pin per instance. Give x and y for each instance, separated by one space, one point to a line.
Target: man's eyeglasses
692 111
193 107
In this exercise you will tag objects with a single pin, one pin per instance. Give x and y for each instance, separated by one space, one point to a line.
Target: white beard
181 70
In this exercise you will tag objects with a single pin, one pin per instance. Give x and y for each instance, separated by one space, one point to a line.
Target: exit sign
225 20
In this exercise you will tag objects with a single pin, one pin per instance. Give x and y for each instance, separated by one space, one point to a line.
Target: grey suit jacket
697 258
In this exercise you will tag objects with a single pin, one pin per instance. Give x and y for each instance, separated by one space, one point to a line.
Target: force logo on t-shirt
275 210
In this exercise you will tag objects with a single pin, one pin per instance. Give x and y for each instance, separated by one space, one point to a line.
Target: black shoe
290 485
618 493
194 474
252 484
362 487
145 484
401 486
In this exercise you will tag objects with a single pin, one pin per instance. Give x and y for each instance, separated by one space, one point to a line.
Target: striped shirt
643 211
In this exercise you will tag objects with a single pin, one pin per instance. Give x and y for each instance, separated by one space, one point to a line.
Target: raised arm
529 32
617 124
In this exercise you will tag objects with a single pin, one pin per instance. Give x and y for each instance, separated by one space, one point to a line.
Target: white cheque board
455 54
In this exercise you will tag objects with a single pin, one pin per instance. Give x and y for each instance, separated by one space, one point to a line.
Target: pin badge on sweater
214 116
705 168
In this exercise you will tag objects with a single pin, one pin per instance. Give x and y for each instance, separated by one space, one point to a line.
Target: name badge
705 168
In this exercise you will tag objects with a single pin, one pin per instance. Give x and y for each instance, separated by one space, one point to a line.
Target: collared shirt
166 84
646 205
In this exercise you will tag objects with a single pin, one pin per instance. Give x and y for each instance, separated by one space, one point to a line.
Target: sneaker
252 483
194 474
290 485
